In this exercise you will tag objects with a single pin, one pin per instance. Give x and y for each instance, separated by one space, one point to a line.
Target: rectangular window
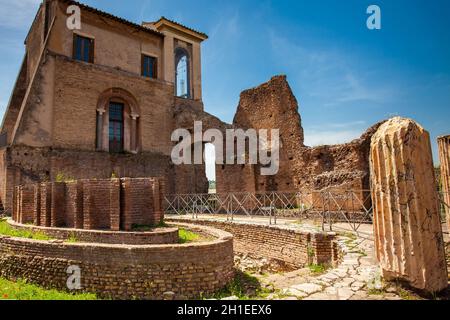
83 49
149 67
116 126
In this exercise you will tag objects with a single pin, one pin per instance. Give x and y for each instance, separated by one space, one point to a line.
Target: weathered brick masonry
292 248
124 271
113 204
167 235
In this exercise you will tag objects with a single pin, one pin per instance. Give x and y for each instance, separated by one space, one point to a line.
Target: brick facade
113 204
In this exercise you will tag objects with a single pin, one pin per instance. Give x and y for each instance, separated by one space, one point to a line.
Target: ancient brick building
99 101
102 102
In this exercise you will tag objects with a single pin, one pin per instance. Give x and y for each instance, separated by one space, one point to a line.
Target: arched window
182 74
118 117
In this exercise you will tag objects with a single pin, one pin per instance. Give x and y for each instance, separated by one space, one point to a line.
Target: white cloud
334 133
330 137
18 14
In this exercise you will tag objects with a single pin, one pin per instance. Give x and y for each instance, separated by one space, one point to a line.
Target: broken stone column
444 157
407 227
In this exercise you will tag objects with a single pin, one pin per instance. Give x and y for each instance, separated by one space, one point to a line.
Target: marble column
407 225
444 158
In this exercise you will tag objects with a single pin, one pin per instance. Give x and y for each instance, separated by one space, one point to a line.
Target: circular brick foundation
157 236
289 247
125 271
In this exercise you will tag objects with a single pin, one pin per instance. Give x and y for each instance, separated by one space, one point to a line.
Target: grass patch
7 230
405 294
20 290
187 236
317 268
375 292
72 238
244 286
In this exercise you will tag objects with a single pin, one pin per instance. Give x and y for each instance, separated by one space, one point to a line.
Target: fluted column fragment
444 158
407 226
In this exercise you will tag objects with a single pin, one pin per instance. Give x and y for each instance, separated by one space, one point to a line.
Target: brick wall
74 205
25 204
113 204
291 247
101 204
137 203
124 271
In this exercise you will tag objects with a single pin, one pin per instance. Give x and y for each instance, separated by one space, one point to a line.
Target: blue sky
344 76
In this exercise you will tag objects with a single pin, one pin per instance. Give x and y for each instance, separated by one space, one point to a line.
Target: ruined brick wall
137 201
273 106
45 210
101 204
124 271
111 204
73 210
25 204
293 248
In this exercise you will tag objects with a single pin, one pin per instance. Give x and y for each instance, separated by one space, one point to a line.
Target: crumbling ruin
273 105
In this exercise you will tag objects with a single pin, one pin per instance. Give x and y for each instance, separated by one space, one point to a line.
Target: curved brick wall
293 248
96 204
159 236
124 271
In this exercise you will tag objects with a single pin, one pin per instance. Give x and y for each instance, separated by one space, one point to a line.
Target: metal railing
353 207
331 206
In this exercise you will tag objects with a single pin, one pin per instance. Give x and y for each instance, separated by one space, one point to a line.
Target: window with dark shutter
149 67
116 127
83 49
